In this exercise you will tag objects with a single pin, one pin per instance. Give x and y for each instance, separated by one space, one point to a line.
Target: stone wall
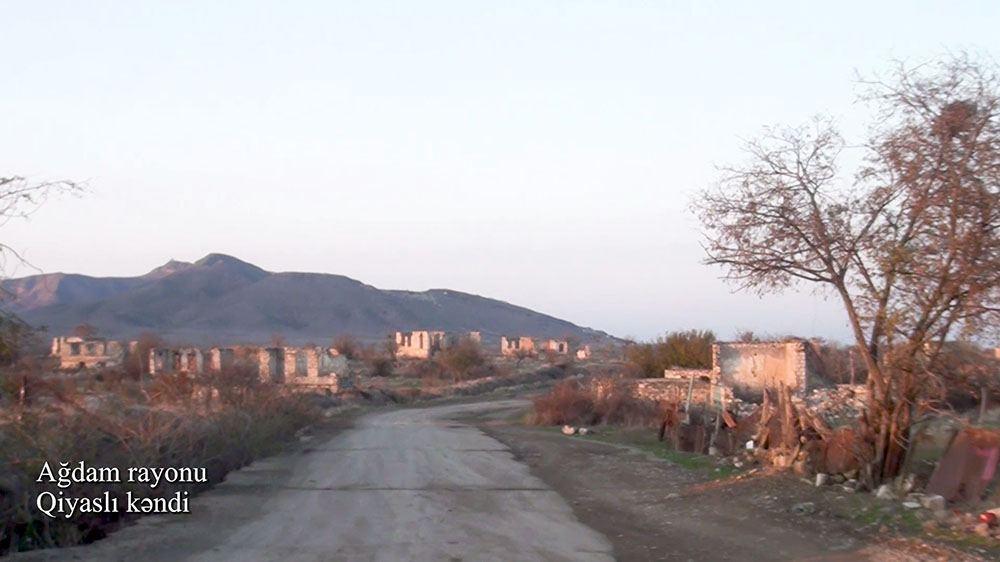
560 347
685 374
162 361
316 367
676 390
750 368
420 344
301 367
84 353
514 345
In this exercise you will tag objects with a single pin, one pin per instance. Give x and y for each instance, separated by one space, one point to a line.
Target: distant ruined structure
560 347
521 345
420 344
85 353
302 366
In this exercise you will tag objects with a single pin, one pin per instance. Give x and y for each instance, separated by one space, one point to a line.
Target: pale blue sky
538 152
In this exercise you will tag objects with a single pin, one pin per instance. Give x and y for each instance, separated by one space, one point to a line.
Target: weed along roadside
604 440
149 445
164 441
655 506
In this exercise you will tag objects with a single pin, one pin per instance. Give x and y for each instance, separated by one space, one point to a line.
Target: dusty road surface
401 485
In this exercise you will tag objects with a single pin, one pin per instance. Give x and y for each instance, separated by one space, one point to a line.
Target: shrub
575 403
348 346
690 349
463 360
381 365
109 419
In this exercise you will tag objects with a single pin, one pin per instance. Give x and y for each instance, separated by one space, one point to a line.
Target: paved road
402 485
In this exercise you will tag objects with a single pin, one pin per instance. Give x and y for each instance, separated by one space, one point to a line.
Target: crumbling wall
510 346
85 353
750 368
317 367
560 347
162 361
271 364
420 344
221 358
685 374
191 360
676 390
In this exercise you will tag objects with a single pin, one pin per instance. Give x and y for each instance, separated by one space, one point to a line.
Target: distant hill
221 299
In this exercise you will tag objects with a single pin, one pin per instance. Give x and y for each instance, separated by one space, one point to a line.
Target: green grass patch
645 440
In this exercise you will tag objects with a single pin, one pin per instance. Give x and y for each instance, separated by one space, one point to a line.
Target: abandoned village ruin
740 370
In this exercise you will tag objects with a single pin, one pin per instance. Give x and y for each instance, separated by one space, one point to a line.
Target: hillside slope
221 299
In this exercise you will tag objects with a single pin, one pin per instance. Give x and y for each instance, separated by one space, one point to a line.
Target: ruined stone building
314 366
420 344
750 368
583 352
163 361
518 345
84 353
190 360
271 364
305 366
560 347
220 358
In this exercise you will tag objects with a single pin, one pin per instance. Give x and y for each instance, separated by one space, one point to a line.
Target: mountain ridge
222 299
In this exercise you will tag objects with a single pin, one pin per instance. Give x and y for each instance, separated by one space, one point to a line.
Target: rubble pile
931 509
838 405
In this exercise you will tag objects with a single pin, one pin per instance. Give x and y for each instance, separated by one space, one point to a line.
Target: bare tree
19 198
910 246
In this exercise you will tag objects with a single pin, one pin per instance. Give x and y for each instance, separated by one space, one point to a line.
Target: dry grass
576 402
113 420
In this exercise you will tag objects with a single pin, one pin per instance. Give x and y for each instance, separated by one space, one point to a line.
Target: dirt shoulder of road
678 507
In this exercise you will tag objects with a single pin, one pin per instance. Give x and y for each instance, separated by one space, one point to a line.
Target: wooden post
687 406
718 424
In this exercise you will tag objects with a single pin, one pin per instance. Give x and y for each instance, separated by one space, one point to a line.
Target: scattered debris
933 502
804 508
989 518
884 492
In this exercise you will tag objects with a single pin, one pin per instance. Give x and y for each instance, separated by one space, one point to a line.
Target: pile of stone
838 405
931 508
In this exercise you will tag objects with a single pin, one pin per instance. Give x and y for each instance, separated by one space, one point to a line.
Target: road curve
402 485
